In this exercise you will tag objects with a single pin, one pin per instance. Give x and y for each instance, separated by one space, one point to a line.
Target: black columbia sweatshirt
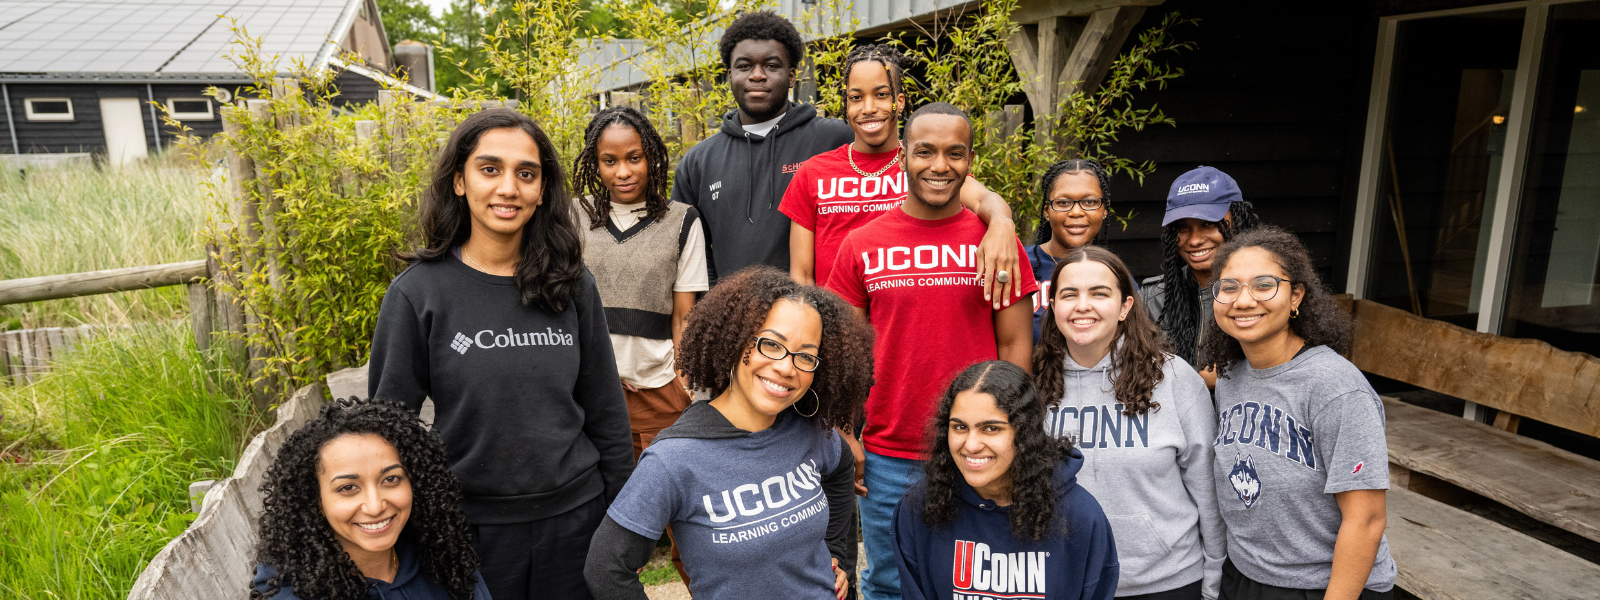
528 402
736 180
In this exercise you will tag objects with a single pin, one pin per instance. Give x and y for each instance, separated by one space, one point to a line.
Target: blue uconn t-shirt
749 513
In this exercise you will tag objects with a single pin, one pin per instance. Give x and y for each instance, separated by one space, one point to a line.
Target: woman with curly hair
497 320
1000 512
1145 423
1075 199
756 484
1310 514
360 502
1204 211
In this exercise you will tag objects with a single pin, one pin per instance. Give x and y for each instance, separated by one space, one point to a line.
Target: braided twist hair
1072 166
295 539
586 167
1180 315
890 57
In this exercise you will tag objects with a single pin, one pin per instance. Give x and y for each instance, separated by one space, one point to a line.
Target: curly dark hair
1136 360
1322 322
1033 495
295 537
1180 316
1072 166
722 328
890 57
552 257
586 167
762 25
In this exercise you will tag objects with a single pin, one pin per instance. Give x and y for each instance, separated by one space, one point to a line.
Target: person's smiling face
771 385
1078 226
1088 307
623 169
983 444
365 492
938 157
502 182
870 105
759 73
1198 241
1250 320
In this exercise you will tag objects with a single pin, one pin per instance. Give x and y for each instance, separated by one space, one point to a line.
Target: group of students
851 309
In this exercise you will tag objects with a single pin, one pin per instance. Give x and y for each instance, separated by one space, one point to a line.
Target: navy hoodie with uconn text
977 558
528 402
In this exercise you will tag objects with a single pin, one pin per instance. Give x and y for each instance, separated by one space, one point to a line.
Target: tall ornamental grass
76 218
96 458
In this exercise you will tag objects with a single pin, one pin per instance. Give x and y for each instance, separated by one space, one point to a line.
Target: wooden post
394 107
201 315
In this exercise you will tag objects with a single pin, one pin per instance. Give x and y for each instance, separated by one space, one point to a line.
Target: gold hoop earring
814 395
1294 313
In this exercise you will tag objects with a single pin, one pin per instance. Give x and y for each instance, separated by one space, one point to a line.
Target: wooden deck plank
1532 477
1444 553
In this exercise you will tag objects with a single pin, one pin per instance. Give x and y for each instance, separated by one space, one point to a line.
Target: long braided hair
1180 315
891 58
586 167
1071 166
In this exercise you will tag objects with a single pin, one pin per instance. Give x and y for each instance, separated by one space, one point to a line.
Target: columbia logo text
488 339
461 343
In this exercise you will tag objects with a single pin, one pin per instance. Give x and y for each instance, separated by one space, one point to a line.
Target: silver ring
1002 277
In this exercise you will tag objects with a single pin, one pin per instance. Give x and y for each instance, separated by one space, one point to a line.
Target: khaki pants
649 412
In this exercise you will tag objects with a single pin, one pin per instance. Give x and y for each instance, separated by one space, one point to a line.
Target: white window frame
209 115
1508 191
27 106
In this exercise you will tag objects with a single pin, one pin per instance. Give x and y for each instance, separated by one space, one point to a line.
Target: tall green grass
77 218
97 457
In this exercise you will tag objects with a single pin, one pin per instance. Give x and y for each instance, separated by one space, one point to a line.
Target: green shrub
98 456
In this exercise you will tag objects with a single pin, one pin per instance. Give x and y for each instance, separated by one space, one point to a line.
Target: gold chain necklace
474 263
850 153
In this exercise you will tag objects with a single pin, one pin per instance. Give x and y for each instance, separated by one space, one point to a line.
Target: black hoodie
736 180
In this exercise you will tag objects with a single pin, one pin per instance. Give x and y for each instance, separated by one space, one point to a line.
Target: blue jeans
888 478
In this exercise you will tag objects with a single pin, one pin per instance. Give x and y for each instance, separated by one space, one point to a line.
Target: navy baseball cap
1203 193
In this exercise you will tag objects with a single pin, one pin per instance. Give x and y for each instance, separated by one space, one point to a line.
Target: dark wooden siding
355 89
163 92
1275 95
84 133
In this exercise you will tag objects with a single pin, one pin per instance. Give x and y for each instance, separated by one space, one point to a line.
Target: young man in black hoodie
737 177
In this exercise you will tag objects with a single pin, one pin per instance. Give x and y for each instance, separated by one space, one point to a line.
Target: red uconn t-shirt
918 281
831 199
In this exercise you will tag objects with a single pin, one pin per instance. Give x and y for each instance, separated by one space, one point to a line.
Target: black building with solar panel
83 78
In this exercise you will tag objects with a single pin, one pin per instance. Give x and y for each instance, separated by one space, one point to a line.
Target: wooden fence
25 355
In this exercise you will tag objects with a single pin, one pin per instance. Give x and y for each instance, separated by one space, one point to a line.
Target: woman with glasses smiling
1301 463
1075 193
756 484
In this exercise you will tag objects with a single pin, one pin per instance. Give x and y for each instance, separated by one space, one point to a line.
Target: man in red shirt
842 189
913 273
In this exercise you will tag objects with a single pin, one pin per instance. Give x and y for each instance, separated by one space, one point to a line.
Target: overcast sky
438 6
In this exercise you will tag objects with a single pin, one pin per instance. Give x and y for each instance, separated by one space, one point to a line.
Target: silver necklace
474 262
850 153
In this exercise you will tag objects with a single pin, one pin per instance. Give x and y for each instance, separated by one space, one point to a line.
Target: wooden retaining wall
215 557
25 354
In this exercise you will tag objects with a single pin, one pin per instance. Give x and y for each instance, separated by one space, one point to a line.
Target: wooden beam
1097 48
51 287
1521 376
1024 49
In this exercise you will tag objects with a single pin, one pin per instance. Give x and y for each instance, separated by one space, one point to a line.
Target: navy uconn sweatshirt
977 558
528 402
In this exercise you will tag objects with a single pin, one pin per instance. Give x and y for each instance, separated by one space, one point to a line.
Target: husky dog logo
1245 482
461 343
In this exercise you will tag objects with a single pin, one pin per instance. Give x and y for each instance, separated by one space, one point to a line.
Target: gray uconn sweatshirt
1151 474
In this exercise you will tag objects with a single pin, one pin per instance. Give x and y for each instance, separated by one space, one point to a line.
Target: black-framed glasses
1065 204
774 350
1262 288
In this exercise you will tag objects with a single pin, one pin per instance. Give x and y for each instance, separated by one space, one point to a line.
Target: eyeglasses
770 348
1262 288
1065 205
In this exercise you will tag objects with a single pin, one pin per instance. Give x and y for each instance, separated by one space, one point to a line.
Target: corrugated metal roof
75 38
